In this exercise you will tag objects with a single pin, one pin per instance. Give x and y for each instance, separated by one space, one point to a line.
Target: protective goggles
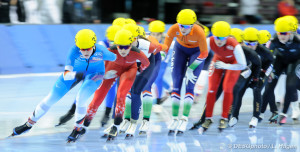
185 26
125 47
220 38
89 49
250 43
111 42
283 33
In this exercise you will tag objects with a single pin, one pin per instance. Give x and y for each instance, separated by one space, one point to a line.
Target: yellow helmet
130 21
186 17
206 30
263 36
221 29
141 31
119 21
284 25
85 39
132 28
157 26
123 37
294 21
237 34
111 32
250 34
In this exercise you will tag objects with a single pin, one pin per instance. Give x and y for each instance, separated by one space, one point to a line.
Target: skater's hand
221 65
69 75
190 75
110 74
246 73
163 55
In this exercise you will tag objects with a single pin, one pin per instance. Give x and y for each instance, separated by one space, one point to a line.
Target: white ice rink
19 94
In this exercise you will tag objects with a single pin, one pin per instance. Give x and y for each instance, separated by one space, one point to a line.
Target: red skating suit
231 53
126 68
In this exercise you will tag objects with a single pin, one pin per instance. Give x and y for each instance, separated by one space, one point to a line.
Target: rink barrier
44 48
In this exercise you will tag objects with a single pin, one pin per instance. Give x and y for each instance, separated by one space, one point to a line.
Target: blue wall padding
44 48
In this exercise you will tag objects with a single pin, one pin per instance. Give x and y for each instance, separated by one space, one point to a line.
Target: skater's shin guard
79 116
39 111
127 113
175 104
188 101
147 104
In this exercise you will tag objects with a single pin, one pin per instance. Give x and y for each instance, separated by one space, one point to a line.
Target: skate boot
223 123
65 118
112 133
144 127
182 125
233 121
131 129
295 112
261 117
205 126
253 122
124 126
273 118
196 125
282 118
21 129
173 126
104 120
76 134
106 131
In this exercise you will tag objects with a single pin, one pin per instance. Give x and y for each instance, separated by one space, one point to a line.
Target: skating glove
246 73
71 75
190 75
110 74
221 65
256 83
163 55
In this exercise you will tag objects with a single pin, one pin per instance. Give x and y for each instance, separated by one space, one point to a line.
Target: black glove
254 83
79 75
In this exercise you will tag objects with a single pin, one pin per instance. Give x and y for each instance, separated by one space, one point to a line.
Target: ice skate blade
104 136
142 133
171 132
273 121
280 124
128 136
296 121
179 133
251 126
122 132
110 138
220 130
194 127
60 124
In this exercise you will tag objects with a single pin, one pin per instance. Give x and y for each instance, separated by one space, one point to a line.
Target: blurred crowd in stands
89 11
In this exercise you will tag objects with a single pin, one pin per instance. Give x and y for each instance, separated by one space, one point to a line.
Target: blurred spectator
249 10
49 11
7 7
287 7
81 11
